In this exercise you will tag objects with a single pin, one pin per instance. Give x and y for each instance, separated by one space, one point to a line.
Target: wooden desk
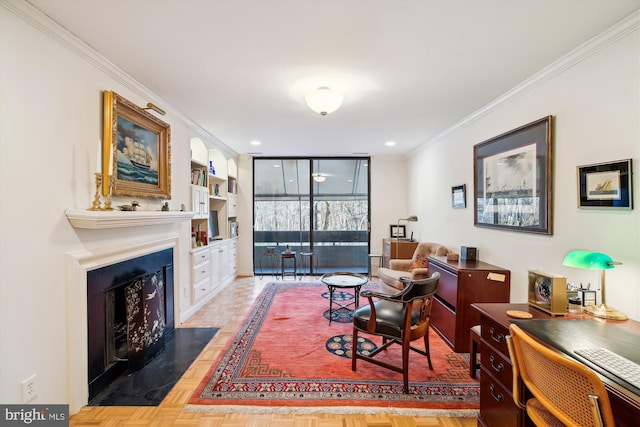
497 407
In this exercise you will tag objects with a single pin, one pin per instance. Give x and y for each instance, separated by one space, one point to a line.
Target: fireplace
129 313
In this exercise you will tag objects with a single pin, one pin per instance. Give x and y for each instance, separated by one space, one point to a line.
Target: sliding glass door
311 205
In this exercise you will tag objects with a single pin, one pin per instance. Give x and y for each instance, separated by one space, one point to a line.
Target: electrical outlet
29 391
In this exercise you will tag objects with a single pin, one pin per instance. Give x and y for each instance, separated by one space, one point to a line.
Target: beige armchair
415 268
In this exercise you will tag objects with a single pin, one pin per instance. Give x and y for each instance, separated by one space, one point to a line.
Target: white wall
595 107
245 216
389 198
50 137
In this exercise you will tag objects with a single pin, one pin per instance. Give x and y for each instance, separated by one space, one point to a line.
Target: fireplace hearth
129 313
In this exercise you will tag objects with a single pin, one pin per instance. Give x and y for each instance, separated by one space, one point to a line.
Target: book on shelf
199 177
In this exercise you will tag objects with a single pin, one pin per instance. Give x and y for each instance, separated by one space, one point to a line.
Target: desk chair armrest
516 375
379 295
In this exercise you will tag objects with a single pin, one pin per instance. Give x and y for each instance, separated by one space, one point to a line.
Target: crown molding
34 17
574 57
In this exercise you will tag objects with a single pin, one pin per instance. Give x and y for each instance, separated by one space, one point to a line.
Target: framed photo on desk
398 231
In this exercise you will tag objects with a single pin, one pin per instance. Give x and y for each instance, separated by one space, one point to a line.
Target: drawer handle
498 397
498 368
498 338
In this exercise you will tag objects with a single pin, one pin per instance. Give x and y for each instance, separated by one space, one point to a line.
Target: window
318 205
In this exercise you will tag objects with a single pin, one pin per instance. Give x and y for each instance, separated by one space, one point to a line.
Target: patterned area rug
286 357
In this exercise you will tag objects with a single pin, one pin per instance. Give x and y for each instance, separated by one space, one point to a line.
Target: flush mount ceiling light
318 177
323 100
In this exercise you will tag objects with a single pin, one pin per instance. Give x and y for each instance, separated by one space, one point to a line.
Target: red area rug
286 356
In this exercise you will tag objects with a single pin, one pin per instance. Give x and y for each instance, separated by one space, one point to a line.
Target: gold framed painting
136 150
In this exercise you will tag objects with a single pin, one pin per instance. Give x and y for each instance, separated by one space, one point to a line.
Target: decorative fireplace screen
130 311
135 315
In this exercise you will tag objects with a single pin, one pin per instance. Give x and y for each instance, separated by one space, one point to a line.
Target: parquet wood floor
225 311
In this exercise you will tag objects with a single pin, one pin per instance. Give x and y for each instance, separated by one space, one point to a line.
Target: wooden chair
400 318
565 392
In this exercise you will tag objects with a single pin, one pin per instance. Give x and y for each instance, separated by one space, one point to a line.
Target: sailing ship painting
137 153
603 185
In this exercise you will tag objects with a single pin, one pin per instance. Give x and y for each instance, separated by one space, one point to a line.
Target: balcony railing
332 250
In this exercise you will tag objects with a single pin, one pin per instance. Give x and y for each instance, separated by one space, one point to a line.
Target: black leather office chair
400 318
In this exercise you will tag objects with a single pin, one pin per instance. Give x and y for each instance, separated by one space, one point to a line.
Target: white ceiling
408 69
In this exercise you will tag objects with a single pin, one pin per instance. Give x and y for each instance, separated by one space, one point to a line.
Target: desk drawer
497 407
444 321
495 334
498 364
447 285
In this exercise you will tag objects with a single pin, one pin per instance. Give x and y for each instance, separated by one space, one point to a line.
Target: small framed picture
605 185
459 196
398 231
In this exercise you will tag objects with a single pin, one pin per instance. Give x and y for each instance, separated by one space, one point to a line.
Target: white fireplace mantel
117 219
78 264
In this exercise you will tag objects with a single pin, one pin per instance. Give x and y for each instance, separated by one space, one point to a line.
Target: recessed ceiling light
255 142
276 165
390 143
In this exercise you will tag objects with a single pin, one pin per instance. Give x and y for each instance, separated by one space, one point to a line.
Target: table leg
331 289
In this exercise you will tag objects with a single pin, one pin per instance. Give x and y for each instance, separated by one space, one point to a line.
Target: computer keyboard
619 366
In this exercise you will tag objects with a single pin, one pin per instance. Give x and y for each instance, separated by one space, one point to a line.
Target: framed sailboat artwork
136 151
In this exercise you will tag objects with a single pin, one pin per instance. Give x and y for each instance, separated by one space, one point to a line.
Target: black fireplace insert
129 313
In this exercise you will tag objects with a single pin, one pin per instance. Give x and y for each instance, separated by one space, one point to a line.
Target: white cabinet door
226 261
200 202
232 205
216 266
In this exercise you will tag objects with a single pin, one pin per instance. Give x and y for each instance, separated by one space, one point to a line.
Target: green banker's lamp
595 261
